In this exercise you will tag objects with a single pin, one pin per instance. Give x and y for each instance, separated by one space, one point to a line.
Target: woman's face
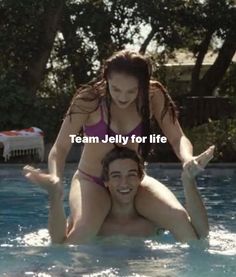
123 89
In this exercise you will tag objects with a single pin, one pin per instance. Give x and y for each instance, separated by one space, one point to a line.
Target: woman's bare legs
157 203
89 205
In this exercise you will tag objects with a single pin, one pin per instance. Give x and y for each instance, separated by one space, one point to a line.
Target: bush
221 133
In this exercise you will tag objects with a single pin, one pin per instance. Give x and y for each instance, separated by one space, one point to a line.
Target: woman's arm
171 129
183 148
70 126
52 182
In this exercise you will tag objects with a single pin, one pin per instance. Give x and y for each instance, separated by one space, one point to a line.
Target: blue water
25 247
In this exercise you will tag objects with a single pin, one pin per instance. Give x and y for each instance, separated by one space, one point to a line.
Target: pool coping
168 169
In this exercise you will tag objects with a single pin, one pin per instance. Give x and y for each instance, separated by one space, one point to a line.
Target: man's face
123 180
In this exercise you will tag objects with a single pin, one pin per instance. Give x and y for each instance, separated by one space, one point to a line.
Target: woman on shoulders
123 102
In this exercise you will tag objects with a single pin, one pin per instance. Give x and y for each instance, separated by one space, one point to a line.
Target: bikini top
100 128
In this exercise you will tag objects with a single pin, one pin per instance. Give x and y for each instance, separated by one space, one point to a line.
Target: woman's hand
193 167
50 183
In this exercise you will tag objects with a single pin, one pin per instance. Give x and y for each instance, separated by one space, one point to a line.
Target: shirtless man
122 174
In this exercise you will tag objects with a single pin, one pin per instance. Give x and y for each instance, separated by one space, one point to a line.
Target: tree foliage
48 48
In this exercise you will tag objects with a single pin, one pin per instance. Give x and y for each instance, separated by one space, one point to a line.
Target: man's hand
193 167
50 183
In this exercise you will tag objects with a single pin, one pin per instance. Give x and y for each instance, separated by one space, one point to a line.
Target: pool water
25 248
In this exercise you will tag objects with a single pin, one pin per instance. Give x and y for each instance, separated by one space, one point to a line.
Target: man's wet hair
121 153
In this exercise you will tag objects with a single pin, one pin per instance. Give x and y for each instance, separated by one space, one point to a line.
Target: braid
144 148
108 106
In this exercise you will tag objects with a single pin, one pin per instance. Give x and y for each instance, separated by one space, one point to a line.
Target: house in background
194 110
176 73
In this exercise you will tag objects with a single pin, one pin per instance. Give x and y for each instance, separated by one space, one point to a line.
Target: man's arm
195 206
56 218
194 203
52 184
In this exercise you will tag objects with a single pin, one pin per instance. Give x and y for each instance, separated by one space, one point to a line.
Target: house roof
187 58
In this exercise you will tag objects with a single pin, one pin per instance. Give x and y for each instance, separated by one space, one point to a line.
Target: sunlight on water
25 248
222 242
122 256
39 238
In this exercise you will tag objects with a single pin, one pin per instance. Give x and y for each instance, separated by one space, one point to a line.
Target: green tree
48 48
196 26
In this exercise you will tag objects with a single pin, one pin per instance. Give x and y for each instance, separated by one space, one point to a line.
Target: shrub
221 133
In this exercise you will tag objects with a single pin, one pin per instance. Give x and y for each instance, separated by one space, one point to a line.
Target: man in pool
122 175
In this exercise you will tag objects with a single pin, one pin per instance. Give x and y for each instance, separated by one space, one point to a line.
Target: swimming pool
25 249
